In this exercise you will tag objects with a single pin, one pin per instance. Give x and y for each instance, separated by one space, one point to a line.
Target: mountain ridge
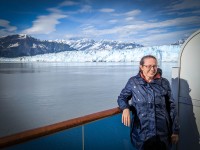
18 45
89 44
22 46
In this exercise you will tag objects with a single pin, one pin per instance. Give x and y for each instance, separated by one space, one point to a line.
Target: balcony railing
101 130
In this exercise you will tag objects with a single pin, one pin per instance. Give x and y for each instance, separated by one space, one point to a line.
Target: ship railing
92 131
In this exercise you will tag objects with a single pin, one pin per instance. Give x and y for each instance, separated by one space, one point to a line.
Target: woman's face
149 68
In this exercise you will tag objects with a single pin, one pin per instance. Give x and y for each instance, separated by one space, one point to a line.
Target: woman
154 112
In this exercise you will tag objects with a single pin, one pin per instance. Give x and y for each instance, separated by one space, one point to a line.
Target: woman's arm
123 99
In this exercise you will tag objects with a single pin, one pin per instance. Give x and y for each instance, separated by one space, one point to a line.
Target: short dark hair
159 70
147 56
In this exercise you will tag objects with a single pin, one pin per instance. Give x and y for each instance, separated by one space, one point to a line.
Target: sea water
38 94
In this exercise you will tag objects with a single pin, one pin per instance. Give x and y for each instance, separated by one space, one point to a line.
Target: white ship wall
186 90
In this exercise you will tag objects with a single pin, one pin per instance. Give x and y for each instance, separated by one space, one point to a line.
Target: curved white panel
189 93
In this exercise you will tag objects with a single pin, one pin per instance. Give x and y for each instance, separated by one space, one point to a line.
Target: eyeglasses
150 66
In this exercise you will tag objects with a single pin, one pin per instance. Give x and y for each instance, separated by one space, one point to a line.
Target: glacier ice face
166 53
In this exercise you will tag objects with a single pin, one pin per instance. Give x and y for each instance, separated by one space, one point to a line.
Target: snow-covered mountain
24 45
91 51
179 42
87 44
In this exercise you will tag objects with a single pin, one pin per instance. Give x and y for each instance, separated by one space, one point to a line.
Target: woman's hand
174 138
126 120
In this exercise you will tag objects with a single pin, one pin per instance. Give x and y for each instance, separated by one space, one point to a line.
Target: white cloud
164 38
176 22
129 18
72 36
87 27
117 25
68 3
6 25
106 10
156 31
148 32
133 12
45 24
85 8
6 28
182 21
184 4
196 12
113 21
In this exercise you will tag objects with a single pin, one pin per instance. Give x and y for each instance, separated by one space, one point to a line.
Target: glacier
164 53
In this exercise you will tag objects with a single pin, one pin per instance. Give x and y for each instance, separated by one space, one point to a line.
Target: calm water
38 94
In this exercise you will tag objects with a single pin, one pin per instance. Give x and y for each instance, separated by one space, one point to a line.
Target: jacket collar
141 80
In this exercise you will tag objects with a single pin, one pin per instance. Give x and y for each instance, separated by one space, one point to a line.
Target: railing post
83 142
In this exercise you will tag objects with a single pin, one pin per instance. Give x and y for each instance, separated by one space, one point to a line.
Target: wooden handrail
50 129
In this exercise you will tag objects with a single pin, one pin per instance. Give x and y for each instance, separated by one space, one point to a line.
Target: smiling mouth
152 73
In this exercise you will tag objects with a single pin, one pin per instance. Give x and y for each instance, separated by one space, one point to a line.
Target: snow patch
13 45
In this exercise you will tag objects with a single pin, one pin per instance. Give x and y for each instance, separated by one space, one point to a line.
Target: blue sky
147 22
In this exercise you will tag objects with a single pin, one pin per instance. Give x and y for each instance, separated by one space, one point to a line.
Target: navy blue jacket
153 107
